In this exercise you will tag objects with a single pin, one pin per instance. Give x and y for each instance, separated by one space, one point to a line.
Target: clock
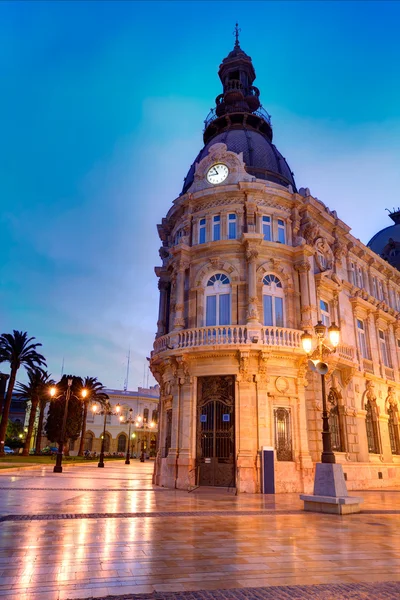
217 173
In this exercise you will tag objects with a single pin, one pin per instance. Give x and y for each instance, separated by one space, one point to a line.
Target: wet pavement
90 533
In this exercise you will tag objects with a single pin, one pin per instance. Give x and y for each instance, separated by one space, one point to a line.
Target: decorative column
179 321
163 287
246 427
252 317
303 269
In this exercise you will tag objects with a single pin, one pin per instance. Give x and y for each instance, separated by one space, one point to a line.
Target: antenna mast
62 368
126 382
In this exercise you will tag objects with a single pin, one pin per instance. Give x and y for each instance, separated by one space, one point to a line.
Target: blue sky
102 110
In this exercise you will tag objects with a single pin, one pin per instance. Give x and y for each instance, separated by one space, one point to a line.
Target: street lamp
130 421
53 392
106 411
321 368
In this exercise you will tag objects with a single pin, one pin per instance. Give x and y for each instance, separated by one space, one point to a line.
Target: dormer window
281 231
202 231
232 226
266 228
216 228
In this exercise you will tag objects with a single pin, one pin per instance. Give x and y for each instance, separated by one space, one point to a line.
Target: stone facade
287 245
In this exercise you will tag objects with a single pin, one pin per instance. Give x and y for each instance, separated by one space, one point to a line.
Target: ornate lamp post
130 421
53 391
330 490
321 367
106 411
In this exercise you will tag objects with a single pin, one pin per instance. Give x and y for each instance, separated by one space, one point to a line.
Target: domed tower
386 242
228 353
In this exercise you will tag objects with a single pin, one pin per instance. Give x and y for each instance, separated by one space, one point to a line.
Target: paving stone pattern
355 591
84 534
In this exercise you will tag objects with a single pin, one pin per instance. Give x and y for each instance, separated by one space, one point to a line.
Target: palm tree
18 350
42 407
94 394
34 391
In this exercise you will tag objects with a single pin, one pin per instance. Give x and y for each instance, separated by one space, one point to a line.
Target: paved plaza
93 533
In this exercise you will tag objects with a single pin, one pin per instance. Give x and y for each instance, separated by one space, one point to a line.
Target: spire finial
236 34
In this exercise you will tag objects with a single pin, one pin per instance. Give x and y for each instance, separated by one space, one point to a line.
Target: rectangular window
273 311
380 290
266 228
211 310
325 316
384 349
281 231
202 231
279 312
352 274
360 277
224 309
232 226
374 288
216 228
362 342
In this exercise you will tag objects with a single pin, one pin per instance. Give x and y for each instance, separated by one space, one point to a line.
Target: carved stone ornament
323 255
310 232
244 360
349 411
391 398
219 153
282 384
252 310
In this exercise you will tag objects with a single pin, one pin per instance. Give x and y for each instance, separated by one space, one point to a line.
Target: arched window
335 425
121 443
393 430
154 416
107 442
88 441
146 415
218 300
273 301
372 428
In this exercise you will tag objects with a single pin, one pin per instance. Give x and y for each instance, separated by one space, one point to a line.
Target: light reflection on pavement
92 557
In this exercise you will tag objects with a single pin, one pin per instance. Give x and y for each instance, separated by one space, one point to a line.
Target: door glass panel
268 320
211 310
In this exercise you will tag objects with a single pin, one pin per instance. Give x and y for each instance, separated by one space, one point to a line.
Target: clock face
217 173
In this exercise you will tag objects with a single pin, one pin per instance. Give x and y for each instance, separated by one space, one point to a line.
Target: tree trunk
32 417
6 409
40 427
85 409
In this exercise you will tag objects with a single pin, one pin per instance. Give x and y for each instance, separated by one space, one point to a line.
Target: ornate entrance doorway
215 442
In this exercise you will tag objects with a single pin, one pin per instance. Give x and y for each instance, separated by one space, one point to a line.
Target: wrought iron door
216 431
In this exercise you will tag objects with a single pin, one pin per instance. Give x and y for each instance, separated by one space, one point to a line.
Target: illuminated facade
249 262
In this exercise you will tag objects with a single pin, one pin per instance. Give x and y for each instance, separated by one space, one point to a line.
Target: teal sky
102 108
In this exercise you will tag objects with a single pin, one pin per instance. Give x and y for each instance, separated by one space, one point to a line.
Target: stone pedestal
330 492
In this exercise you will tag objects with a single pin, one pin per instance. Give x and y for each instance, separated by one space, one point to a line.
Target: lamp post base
101 465
57 469
330 492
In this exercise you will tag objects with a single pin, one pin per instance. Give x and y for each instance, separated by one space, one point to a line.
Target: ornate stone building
248 263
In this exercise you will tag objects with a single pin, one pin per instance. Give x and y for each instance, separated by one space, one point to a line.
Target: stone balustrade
346 352
230 335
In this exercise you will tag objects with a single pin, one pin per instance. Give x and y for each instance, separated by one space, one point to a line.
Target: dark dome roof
261 157
386 242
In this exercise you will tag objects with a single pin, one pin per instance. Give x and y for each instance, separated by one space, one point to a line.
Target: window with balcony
146 415
232 226
325 315
362 339
385 354
273 301
266 228
218 300
374 288
216 228
154 416
202 231
281 231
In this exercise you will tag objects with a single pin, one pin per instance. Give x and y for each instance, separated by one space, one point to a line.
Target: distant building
144 430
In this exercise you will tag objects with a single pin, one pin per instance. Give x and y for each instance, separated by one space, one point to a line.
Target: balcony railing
230 335
389 373
346 352
368 365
